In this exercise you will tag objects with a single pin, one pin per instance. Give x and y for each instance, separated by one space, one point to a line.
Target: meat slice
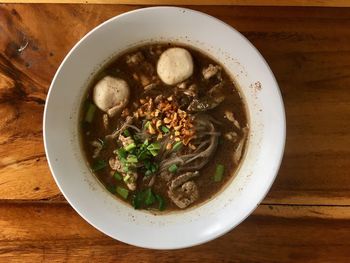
115 164
239 149
131 181
211 71
105 121
98 147
125 140
129 178
229 116
134 59
182 191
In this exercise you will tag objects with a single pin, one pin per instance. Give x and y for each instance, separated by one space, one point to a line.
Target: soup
163 127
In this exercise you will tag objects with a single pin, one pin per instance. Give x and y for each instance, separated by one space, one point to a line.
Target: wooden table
304 218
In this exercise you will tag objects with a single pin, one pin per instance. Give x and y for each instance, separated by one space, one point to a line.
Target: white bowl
205 222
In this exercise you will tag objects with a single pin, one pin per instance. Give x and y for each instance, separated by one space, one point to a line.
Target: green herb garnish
99 165
147 124
148 173
177 146
130 147
126 133
137 200
117 176
164 129
161 202
149 197
122 192
132 159
111 188
219 172
173 168
122 153
146 198
154 146
90 113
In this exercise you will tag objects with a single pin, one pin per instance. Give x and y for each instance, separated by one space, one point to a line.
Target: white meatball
175 65
111 95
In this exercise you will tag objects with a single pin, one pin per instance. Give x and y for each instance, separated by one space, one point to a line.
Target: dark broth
223 155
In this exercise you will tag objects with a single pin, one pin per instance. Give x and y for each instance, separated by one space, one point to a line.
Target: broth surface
228 118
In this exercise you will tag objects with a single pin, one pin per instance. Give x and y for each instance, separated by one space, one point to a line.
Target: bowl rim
282 125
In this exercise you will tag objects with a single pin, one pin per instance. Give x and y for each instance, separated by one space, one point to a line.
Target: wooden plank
308 50
55 233
323 3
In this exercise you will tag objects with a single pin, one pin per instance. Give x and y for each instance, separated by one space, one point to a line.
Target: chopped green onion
154 152
99 165
177 146
126 133
147 164
165 129
117 176
130 147
110 188
126 178
143 155
219 172
154 146
173 168
126 168
122 192
149 197
131 159
161 202
147 124
154 167
148 173
121 153
137 200
146 142
90 113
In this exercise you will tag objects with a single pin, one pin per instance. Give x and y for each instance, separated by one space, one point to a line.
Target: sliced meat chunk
175 65
239 149
105 121
115 164
98 147
134 59
183 178
125 140
182 191
130 180
165 176
205 103
229 116
231 136
192 91
185 195
111 95
211 71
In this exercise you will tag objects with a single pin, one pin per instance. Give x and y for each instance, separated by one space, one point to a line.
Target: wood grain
55 233
324 3
305 217
308 50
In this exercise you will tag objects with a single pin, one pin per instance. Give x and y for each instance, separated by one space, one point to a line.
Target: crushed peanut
166 117
151 130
